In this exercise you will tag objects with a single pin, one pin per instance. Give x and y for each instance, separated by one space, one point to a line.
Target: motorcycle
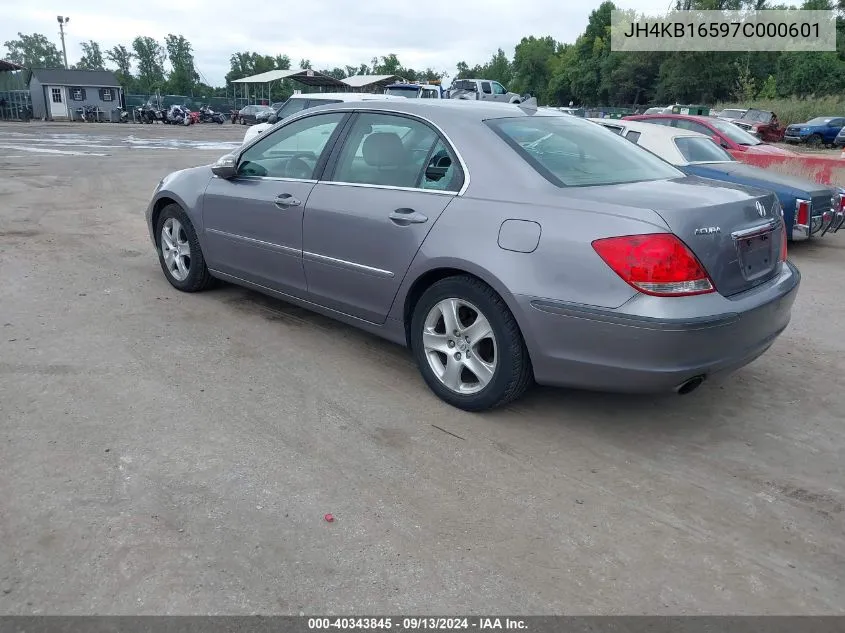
122 115
148 114
89 114
207 115
178 115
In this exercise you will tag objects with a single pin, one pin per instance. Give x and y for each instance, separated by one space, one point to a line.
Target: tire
198 277
511 374
814 140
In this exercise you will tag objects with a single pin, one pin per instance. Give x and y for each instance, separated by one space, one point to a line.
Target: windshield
734 133
820 120
570 152
731 114
701 150
411 92
760 116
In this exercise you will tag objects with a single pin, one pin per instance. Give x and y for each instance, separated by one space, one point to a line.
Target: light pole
62 21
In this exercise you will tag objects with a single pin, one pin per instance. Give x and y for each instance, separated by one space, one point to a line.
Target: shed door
57 101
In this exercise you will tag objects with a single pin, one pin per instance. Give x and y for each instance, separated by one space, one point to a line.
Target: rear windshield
410 92
570 152
459 84
736 134
701 150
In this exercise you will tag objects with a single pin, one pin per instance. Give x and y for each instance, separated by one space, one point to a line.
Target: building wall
90 97
36 92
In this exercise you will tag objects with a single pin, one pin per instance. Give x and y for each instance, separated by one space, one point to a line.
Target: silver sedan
502 244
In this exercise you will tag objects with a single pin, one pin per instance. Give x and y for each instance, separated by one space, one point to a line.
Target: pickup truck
482 90
818 131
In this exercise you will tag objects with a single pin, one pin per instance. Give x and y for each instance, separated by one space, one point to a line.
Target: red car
735 140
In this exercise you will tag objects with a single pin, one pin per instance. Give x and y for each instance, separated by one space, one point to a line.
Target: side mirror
226 167
273 118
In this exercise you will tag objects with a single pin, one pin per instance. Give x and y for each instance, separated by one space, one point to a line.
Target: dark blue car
819 131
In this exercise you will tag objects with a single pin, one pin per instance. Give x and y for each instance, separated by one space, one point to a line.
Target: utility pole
62 21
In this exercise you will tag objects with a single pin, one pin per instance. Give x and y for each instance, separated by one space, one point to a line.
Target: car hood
762 177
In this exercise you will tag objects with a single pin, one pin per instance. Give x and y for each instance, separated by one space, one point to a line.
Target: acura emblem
761 210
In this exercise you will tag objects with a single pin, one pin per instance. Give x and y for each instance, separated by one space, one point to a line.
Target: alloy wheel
460 346
176 249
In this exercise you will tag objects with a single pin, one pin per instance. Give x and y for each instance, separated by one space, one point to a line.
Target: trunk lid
734 231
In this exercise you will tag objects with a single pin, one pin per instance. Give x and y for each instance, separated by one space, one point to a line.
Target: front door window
292 151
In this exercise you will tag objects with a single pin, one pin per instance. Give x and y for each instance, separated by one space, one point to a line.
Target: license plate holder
756 255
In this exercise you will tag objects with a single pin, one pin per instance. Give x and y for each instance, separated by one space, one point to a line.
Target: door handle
286 200
404 217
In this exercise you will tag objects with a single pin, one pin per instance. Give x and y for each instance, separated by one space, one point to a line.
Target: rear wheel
179 251
468 345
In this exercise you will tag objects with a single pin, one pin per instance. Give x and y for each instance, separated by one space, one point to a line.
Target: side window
442 172
499 89
613 128
292 106
693 127
837 123
485 87
633 136
666 122
384 149
292 151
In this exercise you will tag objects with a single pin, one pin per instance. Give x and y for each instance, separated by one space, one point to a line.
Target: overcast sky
435 33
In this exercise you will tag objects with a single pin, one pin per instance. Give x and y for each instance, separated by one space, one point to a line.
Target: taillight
656 264
802 212
842 202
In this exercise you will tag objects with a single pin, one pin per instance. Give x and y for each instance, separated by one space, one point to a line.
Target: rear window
410 92
701 150
570 152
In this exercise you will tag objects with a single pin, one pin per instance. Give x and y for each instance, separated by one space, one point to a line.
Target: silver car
502 244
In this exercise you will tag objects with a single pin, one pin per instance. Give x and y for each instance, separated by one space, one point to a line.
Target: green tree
150 55
33 51
92 57
532 65
183 76
769 89
122 57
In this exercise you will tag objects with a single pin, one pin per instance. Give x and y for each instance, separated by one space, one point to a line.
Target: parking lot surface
174 454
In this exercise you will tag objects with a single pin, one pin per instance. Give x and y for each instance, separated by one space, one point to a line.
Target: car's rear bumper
621 351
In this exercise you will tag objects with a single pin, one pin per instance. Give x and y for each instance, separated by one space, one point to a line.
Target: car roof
452 109
688 117
652 129
346 96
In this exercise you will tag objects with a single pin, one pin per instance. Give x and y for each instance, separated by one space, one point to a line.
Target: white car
300 102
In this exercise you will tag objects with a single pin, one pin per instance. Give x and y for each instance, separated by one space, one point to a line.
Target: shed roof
7 65
359 81
304 76
66 77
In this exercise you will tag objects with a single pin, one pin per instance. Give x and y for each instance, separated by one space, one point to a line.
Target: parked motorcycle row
176 115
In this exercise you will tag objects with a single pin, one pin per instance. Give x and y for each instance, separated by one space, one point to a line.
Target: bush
794 110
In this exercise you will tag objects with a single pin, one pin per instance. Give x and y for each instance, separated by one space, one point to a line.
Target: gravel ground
174 454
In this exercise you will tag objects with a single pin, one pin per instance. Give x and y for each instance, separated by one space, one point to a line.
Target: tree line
585 72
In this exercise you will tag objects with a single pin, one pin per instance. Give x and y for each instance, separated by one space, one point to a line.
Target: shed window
106 94
77 94
56 95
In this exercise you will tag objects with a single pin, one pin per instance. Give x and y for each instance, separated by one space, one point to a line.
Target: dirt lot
171 453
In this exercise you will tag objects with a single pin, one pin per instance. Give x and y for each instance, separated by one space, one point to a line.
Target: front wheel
815 140
179 251
468 346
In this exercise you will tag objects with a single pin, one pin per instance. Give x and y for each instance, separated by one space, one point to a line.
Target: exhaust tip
689 386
